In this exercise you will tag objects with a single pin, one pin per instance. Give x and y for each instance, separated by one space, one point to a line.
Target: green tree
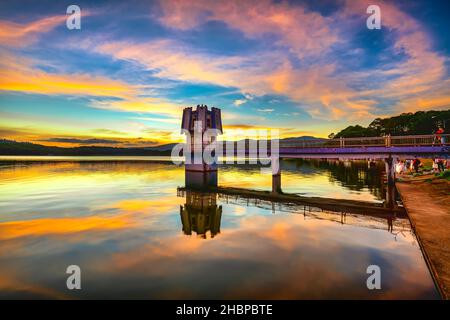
421 122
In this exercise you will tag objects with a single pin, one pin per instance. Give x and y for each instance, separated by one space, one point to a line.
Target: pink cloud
305 33
18 34
420 80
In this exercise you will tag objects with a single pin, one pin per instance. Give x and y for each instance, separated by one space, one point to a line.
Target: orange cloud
145 105
419 81
40 82
19 74
174 61
18 35
13 34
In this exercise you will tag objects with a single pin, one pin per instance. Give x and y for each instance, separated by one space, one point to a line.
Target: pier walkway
428 208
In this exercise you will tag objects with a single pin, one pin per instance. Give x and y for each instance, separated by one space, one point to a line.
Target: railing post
341 142
387 140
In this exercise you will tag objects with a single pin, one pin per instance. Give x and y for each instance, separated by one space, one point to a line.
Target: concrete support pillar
276 183
276 175
200 180
390 176
390 170
390 196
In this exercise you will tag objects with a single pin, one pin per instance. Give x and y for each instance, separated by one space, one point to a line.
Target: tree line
421 122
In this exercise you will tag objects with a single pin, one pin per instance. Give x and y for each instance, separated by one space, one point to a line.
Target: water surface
135 236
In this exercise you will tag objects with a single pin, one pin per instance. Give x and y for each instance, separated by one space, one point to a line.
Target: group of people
404 166
413 165
407 166
439 165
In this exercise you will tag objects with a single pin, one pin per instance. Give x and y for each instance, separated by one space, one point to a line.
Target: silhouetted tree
421 122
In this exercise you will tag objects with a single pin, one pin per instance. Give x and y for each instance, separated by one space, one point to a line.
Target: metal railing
385 141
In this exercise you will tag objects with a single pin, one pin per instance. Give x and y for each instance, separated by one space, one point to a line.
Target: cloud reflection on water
128 241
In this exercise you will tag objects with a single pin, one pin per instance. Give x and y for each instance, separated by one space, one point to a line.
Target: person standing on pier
435 166
416 164
441 166
439 138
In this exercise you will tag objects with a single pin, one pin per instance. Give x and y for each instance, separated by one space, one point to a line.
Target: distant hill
302 138
421 122
163 148
9 147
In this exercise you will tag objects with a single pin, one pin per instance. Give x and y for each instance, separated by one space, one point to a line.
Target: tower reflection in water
200 214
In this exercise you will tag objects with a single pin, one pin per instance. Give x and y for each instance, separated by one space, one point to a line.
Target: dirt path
428 206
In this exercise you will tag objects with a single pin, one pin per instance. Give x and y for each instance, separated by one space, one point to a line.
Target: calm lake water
134 235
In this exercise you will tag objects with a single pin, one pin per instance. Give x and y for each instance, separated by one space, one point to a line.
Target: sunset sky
304 67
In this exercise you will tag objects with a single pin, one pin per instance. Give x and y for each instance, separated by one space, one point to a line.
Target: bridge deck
369 147
363 152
